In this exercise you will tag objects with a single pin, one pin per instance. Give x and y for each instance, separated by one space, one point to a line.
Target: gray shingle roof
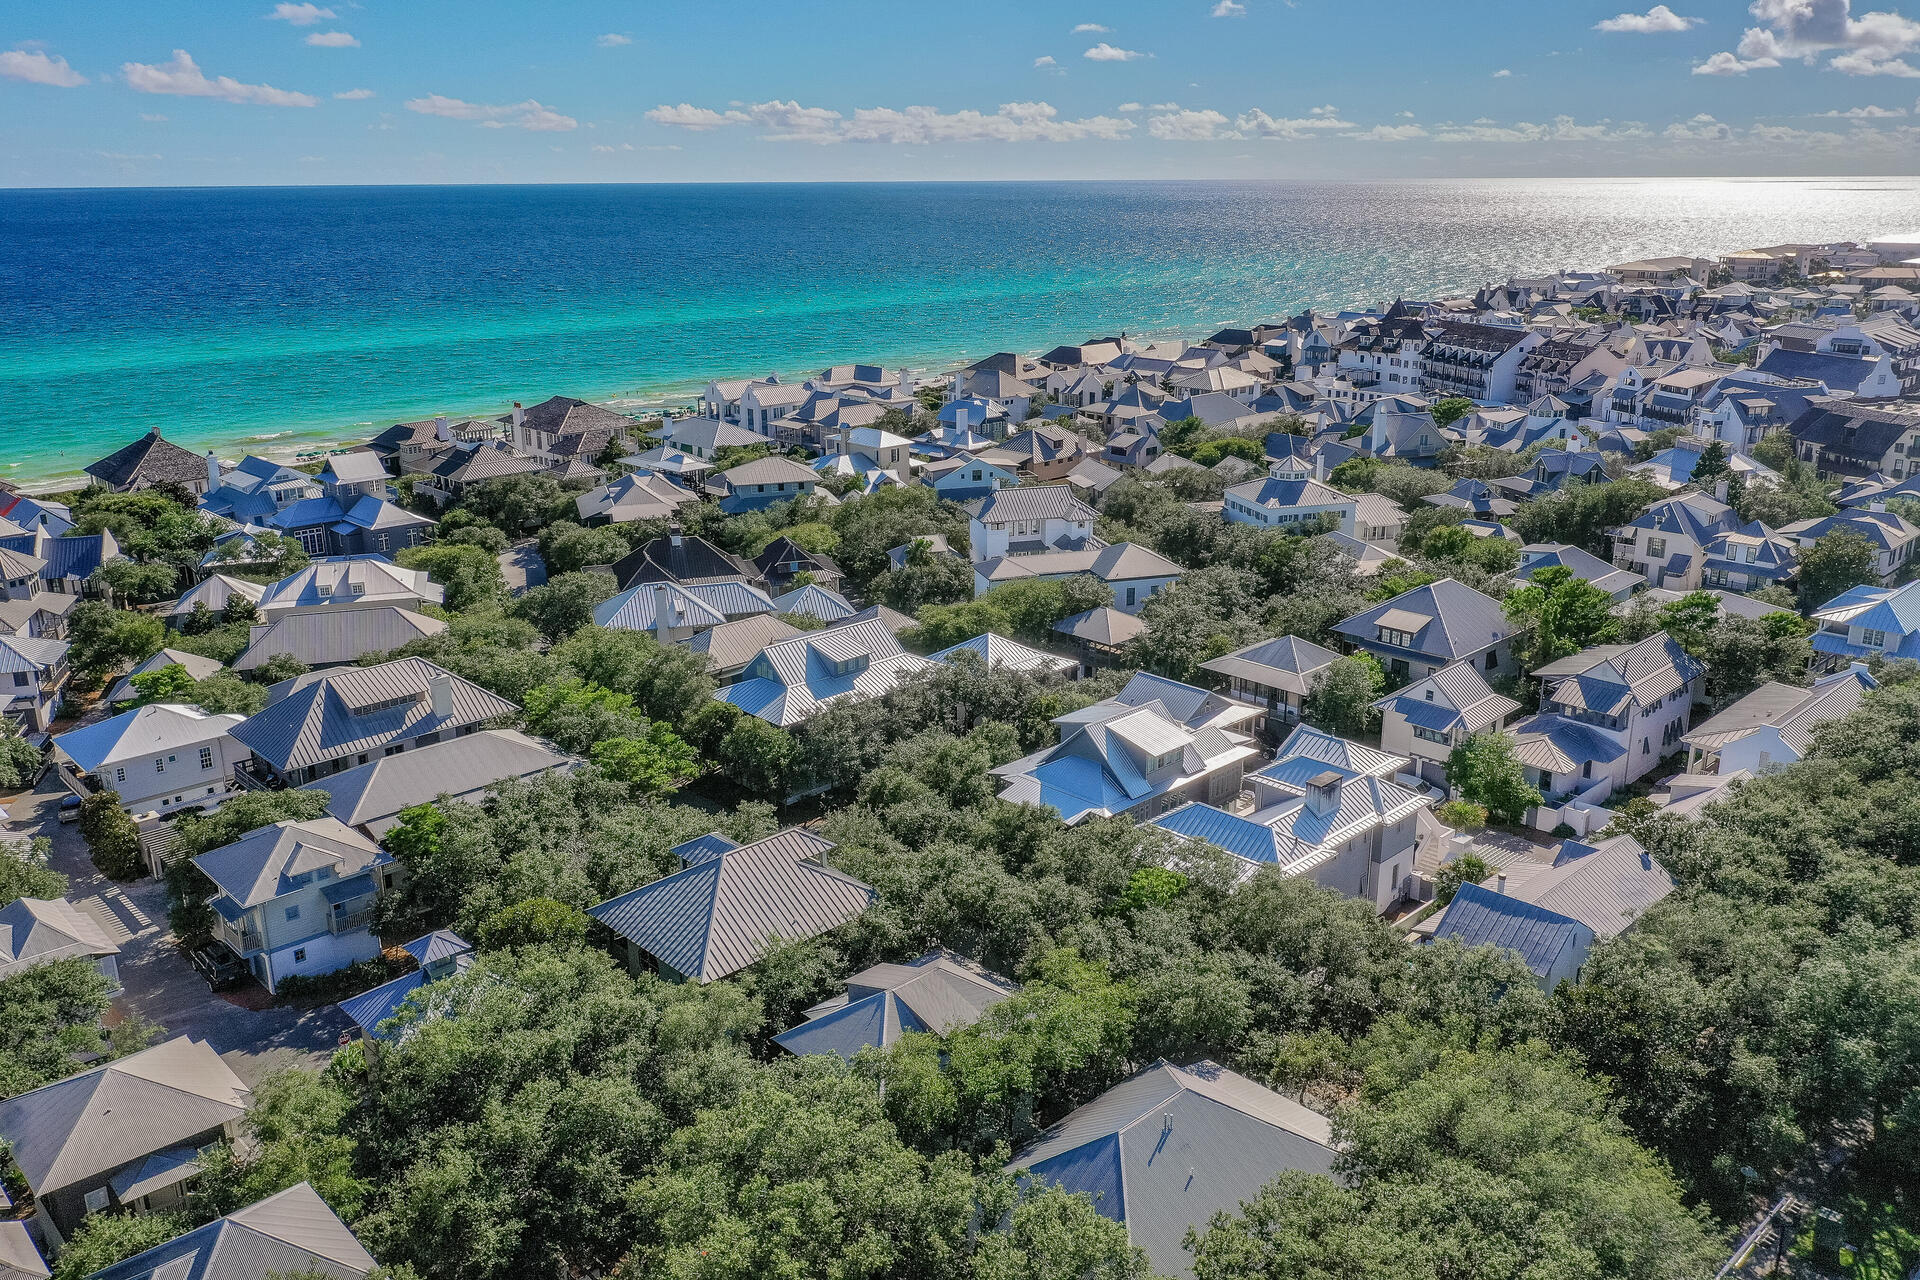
149 460
263 864
324 715
717 916
1459 621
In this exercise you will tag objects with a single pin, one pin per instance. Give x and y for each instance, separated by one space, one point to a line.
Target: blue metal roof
1479 917
878 1020
1236 835
1426 715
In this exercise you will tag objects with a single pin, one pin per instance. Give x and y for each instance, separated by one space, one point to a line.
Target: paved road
160 985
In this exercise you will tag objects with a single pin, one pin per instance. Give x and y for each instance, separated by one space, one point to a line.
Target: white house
162 756
1293 492
1028 519
1773 724
1427 719
1136 574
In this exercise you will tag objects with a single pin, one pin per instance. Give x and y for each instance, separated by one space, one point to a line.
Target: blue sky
226 92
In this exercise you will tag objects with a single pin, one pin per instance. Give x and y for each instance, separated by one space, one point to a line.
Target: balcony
242 939
349 921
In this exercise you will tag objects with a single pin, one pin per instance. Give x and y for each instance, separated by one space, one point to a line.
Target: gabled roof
1168 1148
290 1233
1540 937
35 931
638 608
1456 695
937 994
734 644
813 600
331 637
1651 669
765 471
142 732
324 715
372 795
91 1124
634 497
1033 502
29 654
350 580
270 861
717 916
442 953
1794 712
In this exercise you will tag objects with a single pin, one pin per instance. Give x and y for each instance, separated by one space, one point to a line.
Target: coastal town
1130 809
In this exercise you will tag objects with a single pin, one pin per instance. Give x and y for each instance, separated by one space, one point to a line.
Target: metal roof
332 637
1539 936
717 916
324 715
1170 1147
196 666
290 1233
1287 663
1034 502
92 1123
264 863
373 794
937 993
34 931
998 651
141 733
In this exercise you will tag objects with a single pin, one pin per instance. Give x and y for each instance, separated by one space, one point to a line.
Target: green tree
1341 697
566 547
470 575
135 582
652 765
103 1239
758 756
51 1023
225 693
537 922
112 838
1835 562
518 505
576 714
1711 465
1450 409
1560 614
1485 771
105 640
666 682
20 760
170 683
565 604
1468 868
281 666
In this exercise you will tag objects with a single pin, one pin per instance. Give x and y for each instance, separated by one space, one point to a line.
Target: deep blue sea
279 318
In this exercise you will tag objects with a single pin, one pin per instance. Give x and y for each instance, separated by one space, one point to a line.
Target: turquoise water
282 318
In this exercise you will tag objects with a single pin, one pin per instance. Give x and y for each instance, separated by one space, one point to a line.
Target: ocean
281 319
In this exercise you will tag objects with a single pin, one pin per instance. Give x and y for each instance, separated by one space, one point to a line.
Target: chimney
440 693
673 536
1500 885
213 472
519 427
1319 466
1323 792
441 431
960 415
662 614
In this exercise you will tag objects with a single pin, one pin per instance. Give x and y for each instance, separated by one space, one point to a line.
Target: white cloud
1864 113
36 67
529 115
1701 128
332 40
1725 64
184 79
1189 126
300 15
1092 29
1128 106
613 40
121 157
1559 129
1047 62
1229 9
1258 124
1389 133
1869 45
604 149
1104 52
1657 19
354 95
1502 74
904 126
1328 110
1403 115
1163 106
153 117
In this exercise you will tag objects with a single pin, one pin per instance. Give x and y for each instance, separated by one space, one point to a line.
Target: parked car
70 809
219 966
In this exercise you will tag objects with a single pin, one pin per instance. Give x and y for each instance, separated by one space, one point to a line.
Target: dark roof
1852 430
784 550
324 715
149 460
680 558
1480 917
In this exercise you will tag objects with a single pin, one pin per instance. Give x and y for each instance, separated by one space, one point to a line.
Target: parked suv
219 965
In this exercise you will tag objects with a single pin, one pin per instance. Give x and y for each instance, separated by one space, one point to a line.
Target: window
1873 639
1493 661
1656 546
206 757
119 775
293 911
299 955
1131 593
1430 735
159 765
1429 695
1401 639
95 1200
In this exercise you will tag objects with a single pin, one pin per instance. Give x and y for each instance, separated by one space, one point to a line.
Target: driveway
160 985
522 567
